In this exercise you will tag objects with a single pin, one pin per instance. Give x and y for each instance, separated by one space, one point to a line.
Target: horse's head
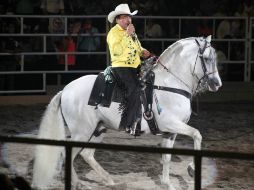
191 63
205 68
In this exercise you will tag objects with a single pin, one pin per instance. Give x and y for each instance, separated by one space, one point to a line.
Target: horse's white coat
184 72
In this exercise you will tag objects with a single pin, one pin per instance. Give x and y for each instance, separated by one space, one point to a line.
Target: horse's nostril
215 81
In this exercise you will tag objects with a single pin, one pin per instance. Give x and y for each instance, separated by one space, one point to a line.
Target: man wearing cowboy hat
125 51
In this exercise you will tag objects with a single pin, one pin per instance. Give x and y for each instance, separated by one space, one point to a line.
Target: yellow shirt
124 51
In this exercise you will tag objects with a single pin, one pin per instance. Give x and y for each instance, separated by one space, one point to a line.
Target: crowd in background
86 40
145 7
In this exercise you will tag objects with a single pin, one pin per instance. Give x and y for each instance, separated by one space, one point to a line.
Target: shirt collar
119 27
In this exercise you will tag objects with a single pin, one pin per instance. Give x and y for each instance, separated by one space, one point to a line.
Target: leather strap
174 90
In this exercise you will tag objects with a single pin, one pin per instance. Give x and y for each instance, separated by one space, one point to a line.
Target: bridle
202 82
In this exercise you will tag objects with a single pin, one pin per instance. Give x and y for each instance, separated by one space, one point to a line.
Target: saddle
107 89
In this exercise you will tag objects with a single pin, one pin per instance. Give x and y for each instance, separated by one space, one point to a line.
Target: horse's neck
174 78
179 73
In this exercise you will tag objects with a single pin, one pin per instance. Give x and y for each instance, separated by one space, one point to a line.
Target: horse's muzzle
214 84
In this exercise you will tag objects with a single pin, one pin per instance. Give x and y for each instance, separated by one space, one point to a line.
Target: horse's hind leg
166 158
88 155
75 179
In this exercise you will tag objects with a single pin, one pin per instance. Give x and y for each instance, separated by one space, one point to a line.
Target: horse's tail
47 157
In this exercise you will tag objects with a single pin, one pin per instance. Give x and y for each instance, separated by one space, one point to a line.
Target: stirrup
149 116
152 123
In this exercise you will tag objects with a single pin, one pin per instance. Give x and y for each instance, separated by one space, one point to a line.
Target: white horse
189 65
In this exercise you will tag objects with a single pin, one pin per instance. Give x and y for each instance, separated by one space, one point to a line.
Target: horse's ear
209 38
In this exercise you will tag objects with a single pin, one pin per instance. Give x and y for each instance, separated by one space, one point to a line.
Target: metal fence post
198 163
68 150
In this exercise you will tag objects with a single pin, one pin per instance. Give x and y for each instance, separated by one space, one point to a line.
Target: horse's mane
173 47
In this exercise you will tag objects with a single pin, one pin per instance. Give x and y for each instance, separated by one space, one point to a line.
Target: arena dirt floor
224 127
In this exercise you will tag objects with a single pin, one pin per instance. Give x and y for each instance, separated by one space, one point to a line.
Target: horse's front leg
197 138
184 129
166 158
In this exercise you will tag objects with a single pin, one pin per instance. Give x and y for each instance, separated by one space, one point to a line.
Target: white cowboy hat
122 9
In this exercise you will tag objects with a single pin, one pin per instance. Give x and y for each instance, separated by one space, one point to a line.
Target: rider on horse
126 51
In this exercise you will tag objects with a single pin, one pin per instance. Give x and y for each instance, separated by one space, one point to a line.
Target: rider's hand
146 53
130 30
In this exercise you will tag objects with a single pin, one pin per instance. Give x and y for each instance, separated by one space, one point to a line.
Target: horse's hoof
82 185
118 186
171 187
191 171
168 186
